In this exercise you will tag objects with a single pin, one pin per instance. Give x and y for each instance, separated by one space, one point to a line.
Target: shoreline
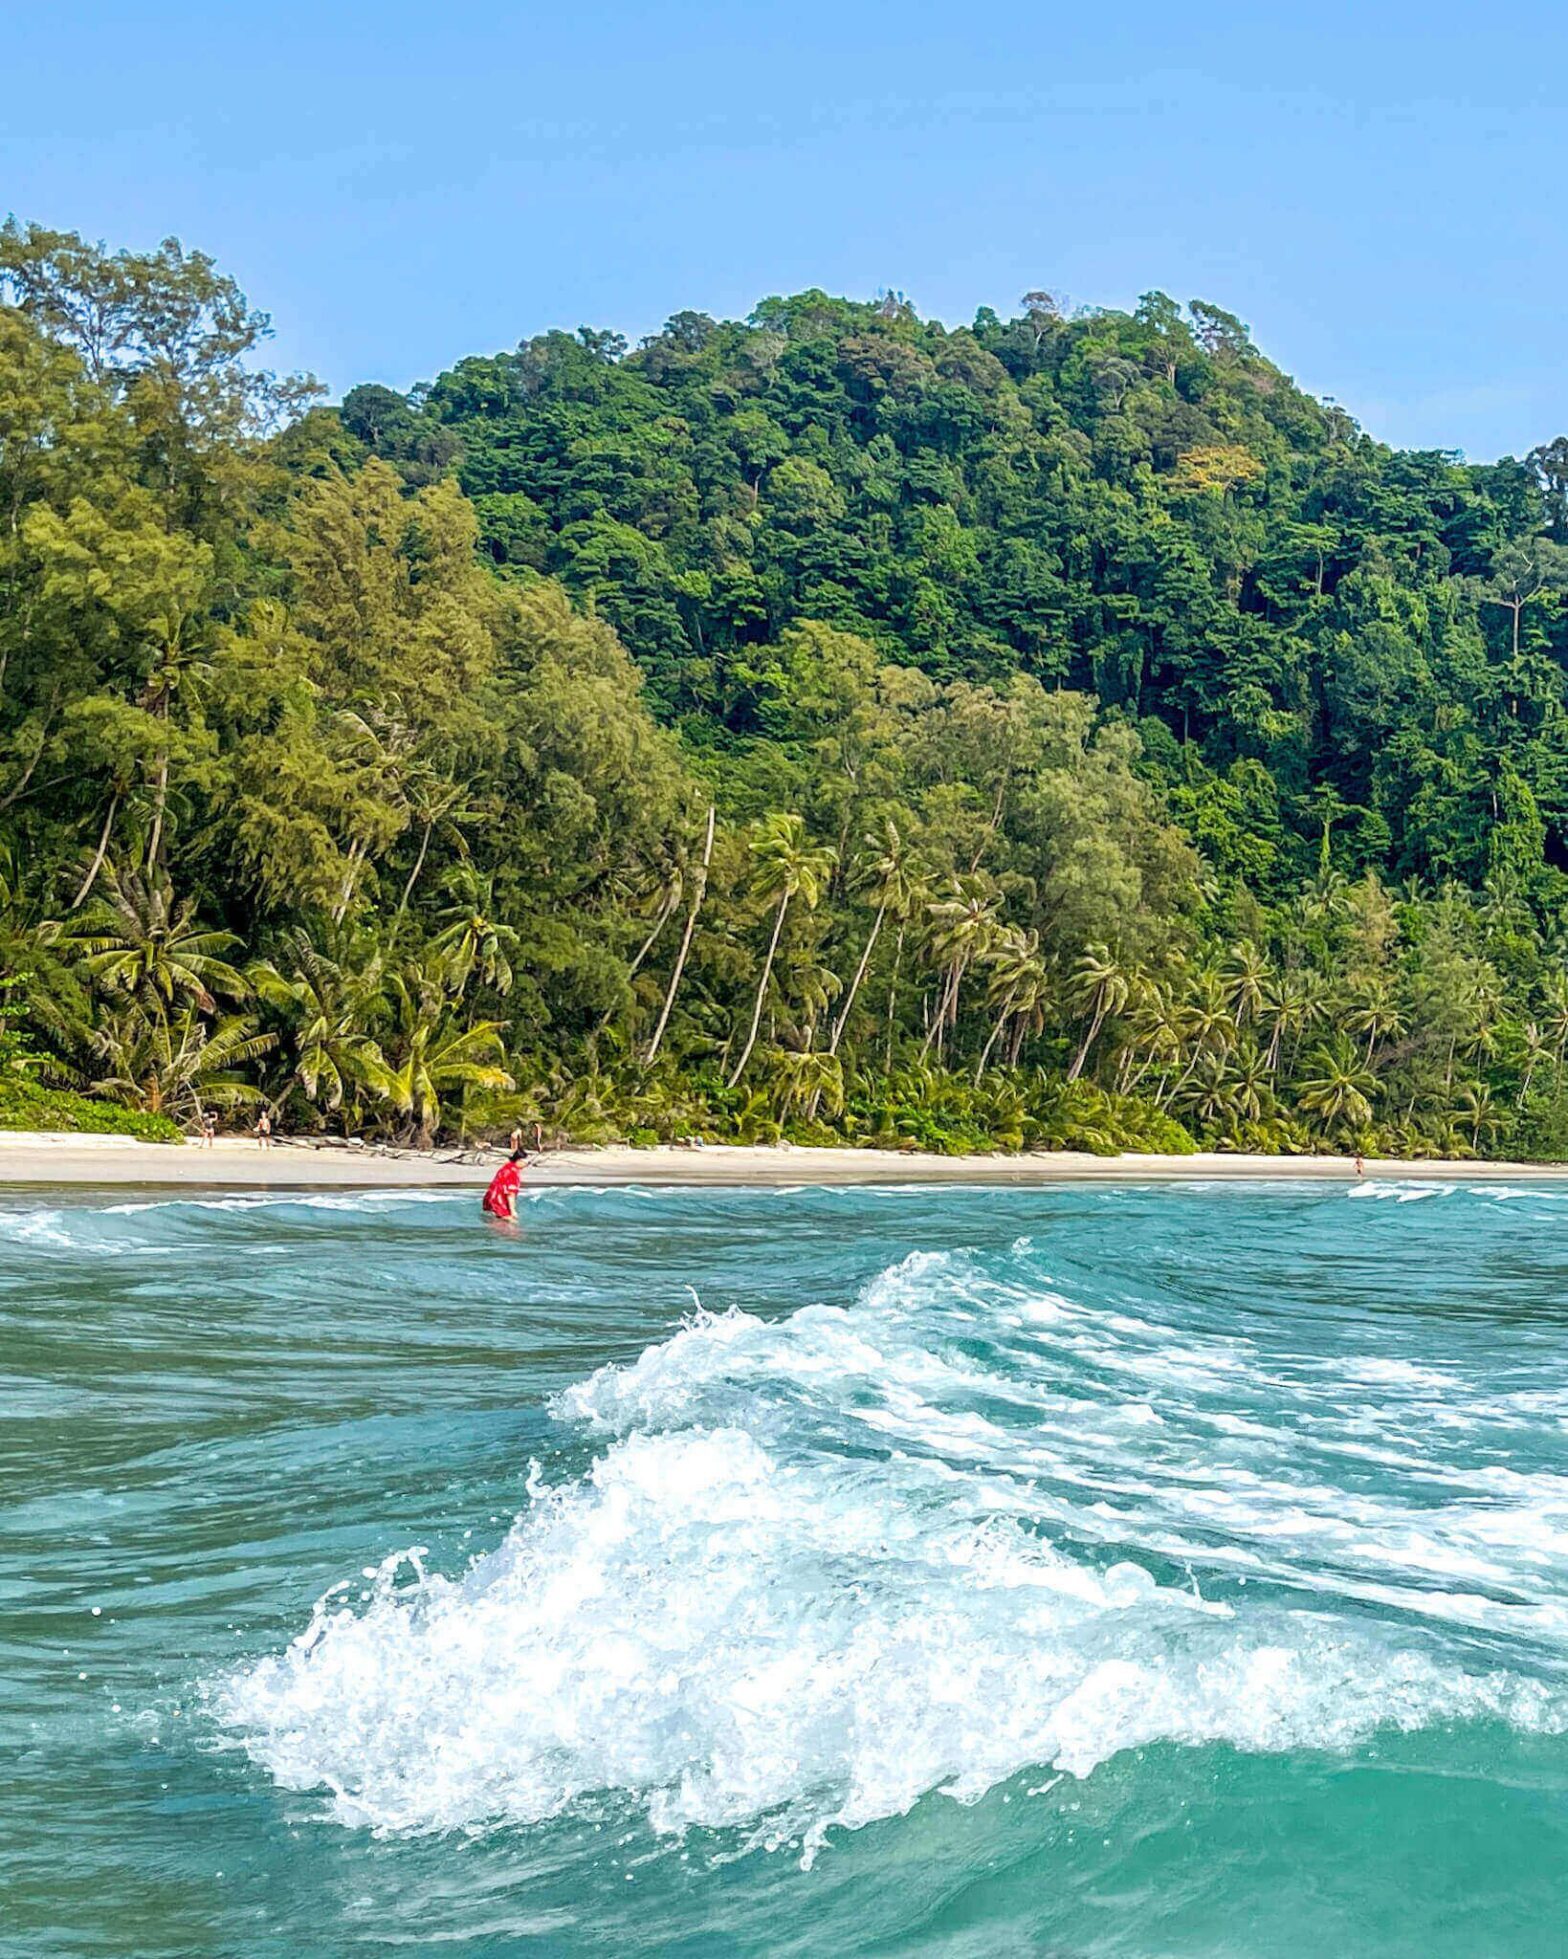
29 1160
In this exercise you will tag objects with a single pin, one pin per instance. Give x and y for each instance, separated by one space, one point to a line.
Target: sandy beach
33 1159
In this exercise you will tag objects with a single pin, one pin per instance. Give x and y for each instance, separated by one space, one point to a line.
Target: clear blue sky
1377 188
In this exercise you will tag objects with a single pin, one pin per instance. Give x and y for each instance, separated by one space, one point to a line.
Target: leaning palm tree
890 880
1101 986
1019 989
139 939
699 892
1555 1019
806 1078
785 866
1376 1015
431 1054
964 930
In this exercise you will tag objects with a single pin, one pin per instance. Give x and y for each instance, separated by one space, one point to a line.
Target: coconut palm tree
1246 976
178 1065
1100 986
1377 1015
430 1054
808 1078
474 938
890 880
963 931
785 866
1293 1003
699 892
1020 990
1474 1105
139 939
330 1007
1340 1089
1554 1020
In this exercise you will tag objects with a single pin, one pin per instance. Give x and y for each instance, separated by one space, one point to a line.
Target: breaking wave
823 1566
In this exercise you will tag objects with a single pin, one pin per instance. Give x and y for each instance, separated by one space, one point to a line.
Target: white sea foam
357 1200
827 1565
40 1227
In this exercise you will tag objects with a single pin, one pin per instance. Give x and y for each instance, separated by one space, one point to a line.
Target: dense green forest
1060 730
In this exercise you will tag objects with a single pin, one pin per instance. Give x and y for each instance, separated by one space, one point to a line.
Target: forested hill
1061 730
1304 624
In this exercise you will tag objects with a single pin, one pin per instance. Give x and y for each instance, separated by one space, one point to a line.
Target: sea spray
825 1566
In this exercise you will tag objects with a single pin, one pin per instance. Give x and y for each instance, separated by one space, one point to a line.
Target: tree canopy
1055 729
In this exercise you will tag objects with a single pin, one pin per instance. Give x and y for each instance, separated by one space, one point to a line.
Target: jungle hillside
1055 731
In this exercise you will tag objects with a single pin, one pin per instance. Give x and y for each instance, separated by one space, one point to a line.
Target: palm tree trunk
1089 1039
991 1040
356 854
892 992
413 876
98 856
854 985
762 987
658 926
691 926
160 803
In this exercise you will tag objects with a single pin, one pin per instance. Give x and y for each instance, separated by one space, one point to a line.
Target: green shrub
26 1104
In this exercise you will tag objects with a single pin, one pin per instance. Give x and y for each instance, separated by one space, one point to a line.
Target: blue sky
1377 189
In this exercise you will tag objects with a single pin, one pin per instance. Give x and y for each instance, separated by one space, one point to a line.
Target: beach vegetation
1060 731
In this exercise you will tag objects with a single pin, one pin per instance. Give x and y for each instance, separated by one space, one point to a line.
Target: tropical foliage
1060 730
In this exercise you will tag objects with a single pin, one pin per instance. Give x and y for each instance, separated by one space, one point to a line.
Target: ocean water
982 1572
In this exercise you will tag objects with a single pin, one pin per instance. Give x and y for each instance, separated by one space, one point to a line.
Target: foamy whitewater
1167 1508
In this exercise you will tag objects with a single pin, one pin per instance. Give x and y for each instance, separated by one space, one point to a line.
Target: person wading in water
500 1200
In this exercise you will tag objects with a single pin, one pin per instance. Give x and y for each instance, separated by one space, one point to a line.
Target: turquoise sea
977 1571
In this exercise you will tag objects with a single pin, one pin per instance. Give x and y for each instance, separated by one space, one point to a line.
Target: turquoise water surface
976 1572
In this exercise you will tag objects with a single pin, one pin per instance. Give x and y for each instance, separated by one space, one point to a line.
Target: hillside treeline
1059 730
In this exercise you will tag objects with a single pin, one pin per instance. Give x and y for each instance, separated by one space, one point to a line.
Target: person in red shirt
500 1199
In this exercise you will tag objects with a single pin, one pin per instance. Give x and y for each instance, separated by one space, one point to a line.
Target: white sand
27 1158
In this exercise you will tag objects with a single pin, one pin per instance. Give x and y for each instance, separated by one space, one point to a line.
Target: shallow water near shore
965 1571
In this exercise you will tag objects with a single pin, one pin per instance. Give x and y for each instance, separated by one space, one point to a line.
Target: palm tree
1555 1021
1100 986
1246 975
435 804
964 929
809 1078
1154 1032
1019 988
474 938
1536 1050
431 1054
891 882
699 891
178 1066
1294 1002
784 867
1473 1103
1250 1085
1377 1015
1205 1025
330 1007
140 940
1340 1091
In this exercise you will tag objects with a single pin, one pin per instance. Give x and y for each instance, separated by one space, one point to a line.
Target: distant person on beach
500 1200
264 1130
1361 1167
209 1129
